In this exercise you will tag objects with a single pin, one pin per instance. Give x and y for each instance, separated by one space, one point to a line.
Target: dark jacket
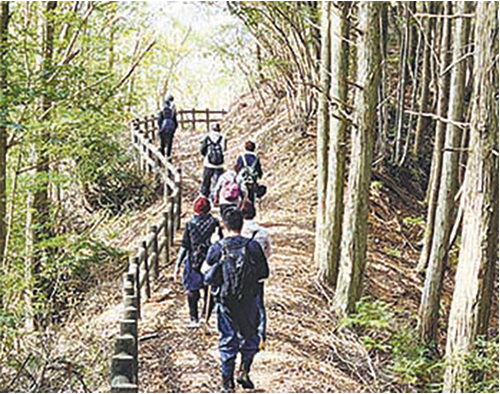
255 253
206 226
252 160
161 116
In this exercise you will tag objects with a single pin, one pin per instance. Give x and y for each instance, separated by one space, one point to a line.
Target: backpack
215 154
230 190
168 113
239 274
199 249
247 173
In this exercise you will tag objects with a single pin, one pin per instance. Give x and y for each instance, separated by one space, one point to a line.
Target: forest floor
305 351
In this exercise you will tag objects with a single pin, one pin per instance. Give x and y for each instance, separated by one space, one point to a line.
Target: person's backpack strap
245 162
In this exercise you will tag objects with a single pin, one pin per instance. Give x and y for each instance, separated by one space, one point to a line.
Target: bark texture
336 155
435 176
479 249
354 227
445 210
323 130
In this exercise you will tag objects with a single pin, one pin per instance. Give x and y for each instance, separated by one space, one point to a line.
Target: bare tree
479 247
355 226
336 155
431 295
323 129
435 177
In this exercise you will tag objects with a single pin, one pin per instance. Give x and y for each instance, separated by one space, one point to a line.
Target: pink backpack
230 190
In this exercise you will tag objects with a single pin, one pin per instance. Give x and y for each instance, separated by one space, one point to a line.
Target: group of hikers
228 262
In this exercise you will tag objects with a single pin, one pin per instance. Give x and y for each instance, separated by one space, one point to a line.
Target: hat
201 205
216 127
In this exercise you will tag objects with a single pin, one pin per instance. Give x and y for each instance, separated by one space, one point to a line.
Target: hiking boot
193 324
244 380
227 384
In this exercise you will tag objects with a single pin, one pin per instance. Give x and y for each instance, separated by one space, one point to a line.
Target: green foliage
482 366
414 220
389 334
393 252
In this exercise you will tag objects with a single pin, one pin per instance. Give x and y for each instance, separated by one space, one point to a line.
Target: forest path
298 355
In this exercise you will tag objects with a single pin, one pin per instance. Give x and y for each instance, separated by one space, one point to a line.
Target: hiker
167 124
194 247
228 192
250 171
252 230
235 266
212 148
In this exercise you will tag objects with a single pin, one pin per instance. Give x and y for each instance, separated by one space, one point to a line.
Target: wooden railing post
178 195
181 120
193 112
144 246
166 238
154 252
134 269
129 327
207 119
171 207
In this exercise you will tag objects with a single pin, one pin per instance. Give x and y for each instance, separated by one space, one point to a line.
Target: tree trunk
435 176
423 122
4 26
336 157
479 249
445 210
323 129
403 66
381 146
354 227
38 227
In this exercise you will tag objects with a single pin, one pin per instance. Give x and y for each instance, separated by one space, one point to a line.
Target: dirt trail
175 358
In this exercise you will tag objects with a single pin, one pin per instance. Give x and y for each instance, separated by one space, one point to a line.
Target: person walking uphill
229 192
212 148
194 247
237 264
167 124
250 171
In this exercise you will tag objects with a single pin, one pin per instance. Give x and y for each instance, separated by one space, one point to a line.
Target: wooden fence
148 126
143 267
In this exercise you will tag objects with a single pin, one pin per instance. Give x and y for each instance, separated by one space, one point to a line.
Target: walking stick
206 308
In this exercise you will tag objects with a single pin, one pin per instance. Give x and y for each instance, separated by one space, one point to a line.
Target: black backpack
239 274
199 247
168 113
215 153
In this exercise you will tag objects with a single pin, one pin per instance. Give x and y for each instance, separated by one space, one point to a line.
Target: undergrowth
389 334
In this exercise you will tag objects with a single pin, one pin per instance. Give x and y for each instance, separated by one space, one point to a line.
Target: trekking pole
207 309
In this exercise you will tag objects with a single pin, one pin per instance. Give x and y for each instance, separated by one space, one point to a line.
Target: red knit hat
201 205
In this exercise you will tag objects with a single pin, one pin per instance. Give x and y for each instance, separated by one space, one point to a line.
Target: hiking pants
261 329
208 174
231 339
166 140
193 298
